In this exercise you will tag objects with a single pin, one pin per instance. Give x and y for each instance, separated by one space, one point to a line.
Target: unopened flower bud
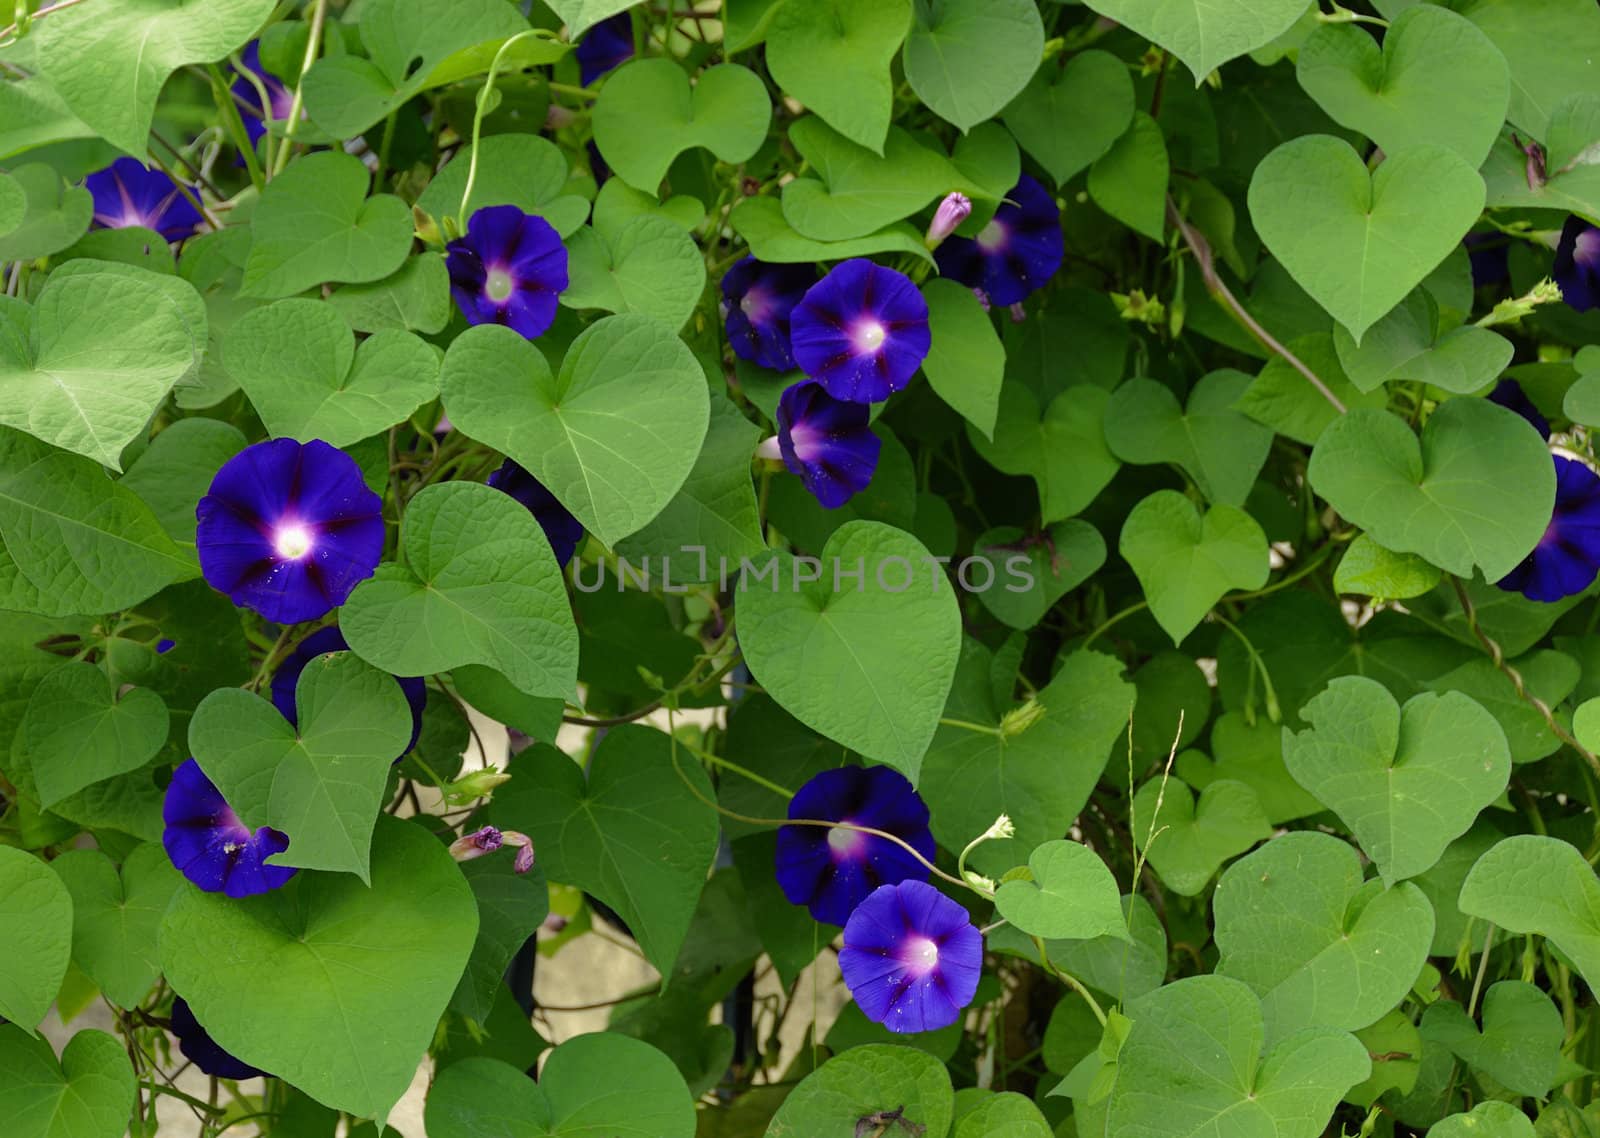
951 212
1019 719
470 787
1002 828
524 860
476 844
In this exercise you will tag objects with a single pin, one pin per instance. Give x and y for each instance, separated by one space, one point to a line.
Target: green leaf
73 541
761 223
315 224
176 469
13 204
965 363
88 1094
1358 243
109 66
1282 398
322 783
648 114
1396 1051
866 661
1475 492
1533 884
1203 35
1437 79
414 299
298 362
1572 182
34 115
1553 47
1410 344
511 907
311 967
1193 1066
1061 446
1072 111
1129 181
1295 922
116 919
1071 895
77 730
1005 1114
810 46
1037 569
862 1082
93 360
613 436
577 1095
479 586
1251 753
1520 1044
1187 562
1219 448
1192 839
405 43
581 15
36 914
523 170
966 59
1546 675
1039 775
1369 569
55 214
639 833
650 265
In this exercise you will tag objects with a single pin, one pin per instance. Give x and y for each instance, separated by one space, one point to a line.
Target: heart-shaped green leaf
511 907
1553 47
1501 1119
1476 491
613 436
298 362
810 46
1071 895
1186 562
1295 921
109 65
523 170
1371 570
865 660
761 223
322 782
73 541
78 730
54 214
648 114
405 43
1406 781
1036 763
88 1094
1003 1114
1533 884
1062 446
310 967
1030 573
649 864
116 919
575 1097
863 1082
93 360
966 59
479 586
966 362
1251 753
36 919
415 299
1129 181
315 224
581 15
1200 33
1520 1044
1409 344
1072 110
650 265
1358 243
1186 840
1193 1064
1219 448
1437 79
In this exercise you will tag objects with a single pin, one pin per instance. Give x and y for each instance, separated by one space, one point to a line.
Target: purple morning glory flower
607 45
1577 267
1489 256
828 442
911 957
757 300
830 871
289 529
204 1052
563 531
508 269
861 331
1016 253
1508 393
1567 558
320 643
210 846
280 100
128 193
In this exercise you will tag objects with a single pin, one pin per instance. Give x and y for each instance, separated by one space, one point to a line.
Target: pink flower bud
951 213
476 844
524 860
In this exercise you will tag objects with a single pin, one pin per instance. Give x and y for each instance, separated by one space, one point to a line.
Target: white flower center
498 286
992 236
870 335
292 542
922 954
841 840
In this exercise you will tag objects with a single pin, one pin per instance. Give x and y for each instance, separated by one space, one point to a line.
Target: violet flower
828 442
320 643
210 846
280 99
757 302
911 957
508 268
204 1052
1016 253
561 529
1577 267
605 46
1508 393
128 193
861 331
1567 558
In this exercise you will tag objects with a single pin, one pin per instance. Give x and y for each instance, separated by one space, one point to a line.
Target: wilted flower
1567 558
246 96
757 300
1577 267
561 529
826 441
830 871
204 1052
952 211
489 839
508 268
607 45
1016 253
210 845
128 193
289 529
861 331
320 643
911 957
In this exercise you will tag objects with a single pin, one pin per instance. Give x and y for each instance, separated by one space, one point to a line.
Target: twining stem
1201 249
319 16
479 110
1069 980
11 29
966 725
234 124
